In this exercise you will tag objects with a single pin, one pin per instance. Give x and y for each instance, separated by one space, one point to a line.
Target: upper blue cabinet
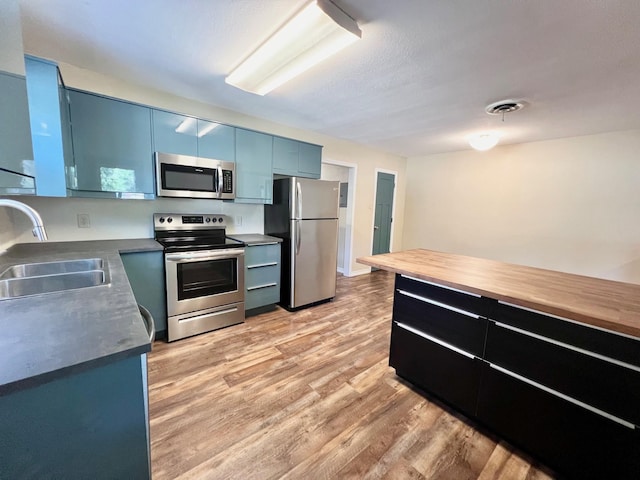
185 135
254 166
17 169
112 147
296 159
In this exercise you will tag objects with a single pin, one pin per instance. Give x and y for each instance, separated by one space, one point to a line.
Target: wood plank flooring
310 395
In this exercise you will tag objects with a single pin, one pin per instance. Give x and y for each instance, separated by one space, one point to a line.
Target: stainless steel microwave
194 177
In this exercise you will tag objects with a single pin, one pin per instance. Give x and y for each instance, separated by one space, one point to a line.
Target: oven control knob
214 220
161 220
208 220
220 220
169 220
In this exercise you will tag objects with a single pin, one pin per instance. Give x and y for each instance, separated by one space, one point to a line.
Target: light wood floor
309 395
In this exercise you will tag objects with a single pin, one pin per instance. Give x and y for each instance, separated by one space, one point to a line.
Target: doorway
345 173
383 211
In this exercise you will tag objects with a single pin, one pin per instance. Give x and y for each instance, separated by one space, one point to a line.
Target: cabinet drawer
455 326
570 438
609 344
262 276
260 297
451 374
595 380
456 298
261 254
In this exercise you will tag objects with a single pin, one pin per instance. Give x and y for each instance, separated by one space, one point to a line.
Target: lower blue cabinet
262 275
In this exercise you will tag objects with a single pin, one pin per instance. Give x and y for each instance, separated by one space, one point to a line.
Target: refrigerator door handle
299 195
298 234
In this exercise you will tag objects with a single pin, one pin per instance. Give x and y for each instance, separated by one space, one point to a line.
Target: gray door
384 206
314 252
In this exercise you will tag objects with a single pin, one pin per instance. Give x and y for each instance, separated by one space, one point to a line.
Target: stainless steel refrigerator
305 215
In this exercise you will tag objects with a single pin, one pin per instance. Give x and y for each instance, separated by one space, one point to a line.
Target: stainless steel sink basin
52 268
36 285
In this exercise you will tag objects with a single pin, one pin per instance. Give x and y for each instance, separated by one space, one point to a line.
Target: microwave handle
220 181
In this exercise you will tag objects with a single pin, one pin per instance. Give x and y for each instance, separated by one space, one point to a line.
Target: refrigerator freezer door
313 261
314 198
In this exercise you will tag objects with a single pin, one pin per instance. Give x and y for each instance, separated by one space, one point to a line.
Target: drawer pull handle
568 347
257 287
441 286
438 304
258 265
564 397
434 340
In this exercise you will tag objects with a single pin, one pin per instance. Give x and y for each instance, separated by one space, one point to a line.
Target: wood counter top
601 303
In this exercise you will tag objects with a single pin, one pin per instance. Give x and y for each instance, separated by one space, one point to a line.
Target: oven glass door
206 278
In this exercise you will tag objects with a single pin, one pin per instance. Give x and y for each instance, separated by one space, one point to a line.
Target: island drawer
577 442
605 383
610 344
450 373
458 327
466 301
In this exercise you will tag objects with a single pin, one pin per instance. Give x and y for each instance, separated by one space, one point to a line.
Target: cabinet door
16 153
451 374
254 159
310 161
111 144
216 141
285 156
173 133
580 443
145 271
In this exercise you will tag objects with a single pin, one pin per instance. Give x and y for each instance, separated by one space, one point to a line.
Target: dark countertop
601 303
254 238
52 335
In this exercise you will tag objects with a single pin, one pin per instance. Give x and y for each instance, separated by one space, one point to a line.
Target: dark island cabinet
567 393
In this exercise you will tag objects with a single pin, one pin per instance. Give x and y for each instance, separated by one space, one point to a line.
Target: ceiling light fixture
484 141
316 32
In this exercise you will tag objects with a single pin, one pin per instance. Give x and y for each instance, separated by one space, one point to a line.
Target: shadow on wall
627 272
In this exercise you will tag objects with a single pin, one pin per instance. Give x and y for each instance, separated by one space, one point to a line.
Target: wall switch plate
84 221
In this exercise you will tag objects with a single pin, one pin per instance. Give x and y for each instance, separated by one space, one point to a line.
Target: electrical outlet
239 220
84 221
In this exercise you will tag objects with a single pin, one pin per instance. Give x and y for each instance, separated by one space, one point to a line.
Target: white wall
340 174
11 53
64 226
571 204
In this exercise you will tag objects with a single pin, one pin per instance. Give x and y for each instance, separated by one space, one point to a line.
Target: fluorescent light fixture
316 32
186 125
484 141
207 129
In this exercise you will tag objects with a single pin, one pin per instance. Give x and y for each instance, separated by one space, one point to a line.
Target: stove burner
178 232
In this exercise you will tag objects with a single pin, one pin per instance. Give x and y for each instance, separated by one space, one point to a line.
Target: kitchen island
548 360
73 386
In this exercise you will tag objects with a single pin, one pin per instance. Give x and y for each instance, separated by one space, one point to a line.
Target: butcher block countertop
601 303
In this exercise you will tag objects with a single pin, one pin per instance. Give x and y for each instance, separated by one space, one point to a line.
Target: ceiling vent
504 106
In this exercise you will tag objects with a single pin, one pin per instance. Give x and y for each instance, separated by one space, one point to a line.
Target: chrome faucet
36 220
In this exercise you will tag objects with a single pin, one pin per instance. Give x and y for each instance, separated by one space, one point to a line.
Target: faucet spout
36 220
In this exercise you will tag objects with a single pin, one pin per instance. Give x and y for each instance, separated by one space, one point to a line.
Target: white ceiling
417 83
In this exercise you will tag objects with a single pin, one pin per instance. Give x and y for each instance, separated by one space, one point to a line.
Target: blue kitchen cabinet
175 133
89 424
16 155
254 165
112 147
216 140
262 276
145 271
296 159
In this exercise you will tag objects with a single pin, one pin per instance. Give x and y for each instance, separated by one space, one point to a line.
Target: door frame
393 208
347 269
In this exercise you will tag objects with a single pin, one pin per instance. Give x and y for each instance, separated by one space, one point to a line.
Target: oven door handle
220 182
203 256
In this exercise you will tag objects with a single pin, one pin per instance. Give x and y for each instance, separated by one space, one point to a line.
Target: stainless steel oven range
204 273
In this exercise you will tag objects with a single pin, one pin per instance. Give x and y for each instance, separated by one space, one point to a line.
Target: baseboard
355 273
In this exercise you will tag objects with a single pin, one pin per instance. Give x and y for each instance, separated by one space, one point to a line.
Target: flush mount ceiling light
504 106
316 32
484 141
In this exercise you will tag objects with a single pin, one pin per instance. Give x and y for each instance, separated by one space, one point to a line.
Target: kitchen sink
20 287
52 268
